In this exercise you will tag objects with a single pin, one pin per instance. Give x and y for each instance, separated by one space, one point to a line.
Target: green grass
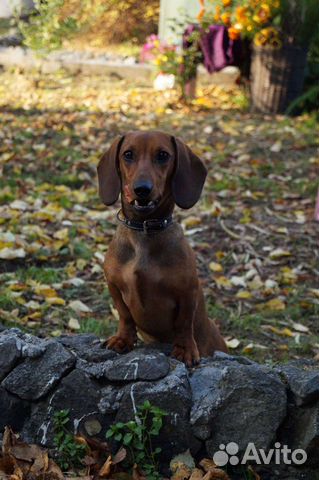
5 25
101 328
7 302
42 274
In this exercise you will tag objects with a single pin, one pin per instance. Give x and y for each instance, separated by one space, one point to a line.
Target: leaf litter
253 231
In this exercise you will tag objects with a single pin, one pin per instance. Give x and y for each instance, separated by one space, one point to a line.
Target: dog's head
150 169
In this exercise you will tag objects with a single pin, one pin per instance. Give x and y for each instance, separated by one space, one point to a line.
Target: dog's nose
143 188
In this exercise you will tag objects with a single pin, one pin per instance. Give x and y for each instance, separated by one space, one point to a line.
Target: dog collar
148 226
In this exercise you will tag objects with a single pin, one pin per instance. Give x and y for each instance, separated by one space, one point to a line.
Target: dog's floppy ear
189 176
108 173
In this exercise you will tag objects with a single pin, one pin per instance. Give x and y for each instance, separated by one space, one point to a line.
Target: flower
201 14
233 33
225 17
217 13
241 14
227 3
263 15
268 36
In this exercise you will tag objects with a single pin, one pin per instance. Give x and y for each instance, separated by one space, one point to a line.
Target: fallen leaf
105 470
300 328
275 304
197 474
234 343
215 267
79 306
12 253
279 253
74 324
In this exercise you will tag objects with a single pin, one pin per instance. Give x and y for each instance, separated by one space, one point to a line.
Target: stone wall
225 399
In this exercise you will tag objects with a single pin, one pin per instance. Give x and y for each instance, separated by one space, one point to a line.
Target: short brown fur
152 277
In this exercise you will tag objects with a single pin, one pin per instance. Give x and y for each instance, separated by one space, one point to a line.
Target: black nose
143 188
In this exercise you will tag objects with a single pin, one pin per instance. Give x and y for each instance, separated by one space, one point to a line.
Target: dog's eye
128 155
162 157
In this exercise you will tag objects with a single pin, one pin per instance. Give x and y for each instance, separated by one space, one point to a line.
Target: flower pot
277 77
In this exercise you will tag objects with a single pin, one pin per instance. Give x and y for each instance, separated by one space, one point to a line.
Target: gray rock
76 393
96 370
88 347
111 397
301 430
13 411
28 345
173 395
9 355
36 377
140 364
302 377
235 403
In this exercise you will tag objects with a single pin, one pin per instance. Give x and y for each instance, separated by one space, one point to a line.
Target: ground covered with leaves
253 230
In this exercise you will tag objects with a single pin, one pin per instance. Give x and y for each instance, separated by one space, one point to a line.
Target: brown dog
149 266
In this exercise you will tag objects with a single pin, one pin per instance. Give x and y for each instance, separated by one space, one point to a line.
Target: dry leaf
79 306
12 253
207 464
215 267
197 474
234 343
216 474
105 470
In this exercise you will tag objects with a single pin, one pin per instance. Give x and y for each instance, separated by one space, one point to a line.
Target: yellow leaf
45 291
62 234
215 267
284 332
275 304
55 301
279 253
283 347
220 255
244 294
81 264
191 221
249 348
223 282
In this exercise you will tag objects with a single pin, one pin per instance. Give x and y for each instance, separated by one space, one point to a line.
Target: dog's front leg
126 336
185 348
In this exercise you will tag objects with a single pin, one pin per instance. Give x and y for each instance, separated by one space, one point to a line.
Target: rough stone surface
301 430
236 401
13 411
302 377
225 399
9 355
35 377
141 364
173 395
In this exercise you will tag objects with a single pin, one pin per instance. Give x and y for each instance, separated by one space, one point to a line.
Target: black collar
148 226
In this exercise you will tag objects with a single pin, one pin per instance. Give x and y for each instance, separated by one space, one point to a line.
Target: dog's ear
189 176
108 173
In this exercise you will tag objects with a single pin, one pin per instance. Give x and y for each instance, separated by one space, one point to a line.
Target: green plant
137 436
55 20
69 452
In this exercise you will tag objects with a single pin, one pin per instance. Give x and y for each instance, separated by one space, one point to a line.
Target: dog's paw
188 354
120 344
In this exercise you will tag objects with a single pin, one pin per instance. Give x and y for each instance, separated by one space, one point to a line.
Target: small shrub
69 452
137 437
